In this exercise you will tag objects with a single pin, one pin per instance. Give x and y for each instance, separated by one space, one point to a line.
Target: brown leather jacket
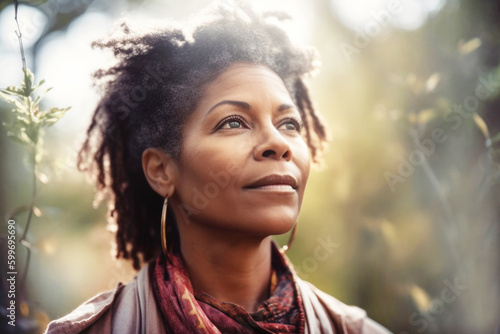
132 308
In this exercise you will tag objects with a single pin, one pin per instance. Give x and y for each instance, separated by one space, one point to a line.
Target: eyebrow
246 106
240 104
285 106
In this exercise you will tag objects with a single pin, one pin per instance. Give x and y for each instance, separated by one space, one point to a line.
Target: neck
231 268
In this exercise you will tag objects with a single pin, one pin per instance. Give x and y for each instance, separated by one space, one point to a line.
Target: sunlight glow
411 14
68 62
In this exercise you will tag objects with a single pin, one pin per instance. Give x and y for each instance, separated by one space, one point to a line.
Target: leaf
39 84
420 297
17 102
16 139
33 132
432 82
20 123
27 127
6 96
469 46
12 90
27 84
42 177
52 115
20 137
481 124
37 211
24 136
37 100
50 121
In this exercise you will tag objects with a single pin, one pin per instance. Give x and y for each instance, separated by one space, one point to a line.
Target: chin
260 222
275 224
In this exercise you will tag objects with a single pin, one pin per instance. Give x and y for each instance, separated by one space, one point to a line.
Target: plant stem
22 241
19 35
449 234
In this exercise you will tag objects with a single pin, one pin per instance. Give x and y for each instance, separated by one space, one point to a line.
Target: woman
218 128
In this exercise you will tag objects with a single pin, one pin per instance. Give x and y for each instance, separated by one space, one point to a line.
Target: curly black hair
156 83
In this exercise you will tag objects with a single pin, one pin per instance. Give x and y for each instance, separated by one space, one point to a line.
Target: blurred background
402 217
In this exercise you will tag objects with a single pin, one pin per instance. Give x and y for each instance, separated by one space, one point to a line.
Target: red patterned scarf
186 310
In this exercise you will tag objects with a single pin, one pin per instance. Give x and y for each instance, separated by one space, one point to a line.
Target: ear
160 171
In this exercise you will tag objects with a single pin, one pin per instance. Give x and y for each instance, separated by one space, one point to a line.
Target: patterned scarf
186 310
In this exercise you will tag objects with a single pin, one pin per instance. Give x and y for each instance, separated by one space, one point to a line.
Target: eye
232 122
290 124
232 125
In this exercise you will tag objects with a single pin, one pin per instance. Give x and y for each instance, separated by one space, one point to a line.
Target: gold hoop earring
285 248
163 230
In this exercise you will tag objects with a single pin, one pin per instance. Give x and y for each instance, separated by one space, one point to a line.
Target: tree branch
19 35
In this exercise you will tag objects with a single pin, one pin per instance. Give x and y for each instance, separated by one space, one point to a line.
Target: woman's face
243 164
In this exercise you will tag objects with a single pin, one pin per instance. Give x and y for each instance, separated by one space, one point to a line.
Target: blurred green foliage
29 122
26 129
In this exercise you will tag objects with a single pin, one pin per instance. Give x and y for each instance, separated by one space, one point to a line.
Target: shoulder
108 310
86 314
324 310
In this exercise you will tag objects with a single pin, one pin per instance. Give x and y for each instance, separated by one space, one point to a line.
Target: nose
272 145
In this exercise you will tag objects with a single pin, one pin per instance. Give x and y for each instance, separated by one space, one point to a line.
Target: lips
274 180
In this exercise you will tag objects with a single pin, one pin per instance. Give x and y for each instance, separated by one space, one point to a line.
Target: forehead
242 79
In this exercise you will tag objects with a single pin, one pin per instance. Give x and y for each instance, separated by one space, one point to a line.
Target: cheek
303 160
204 175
